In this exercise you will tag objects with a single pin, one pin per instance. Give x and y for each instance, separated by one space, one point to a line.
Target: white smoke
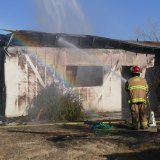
61 16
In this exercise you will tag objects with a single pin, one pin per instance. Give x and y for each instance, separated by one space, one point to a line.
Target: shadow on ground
150 154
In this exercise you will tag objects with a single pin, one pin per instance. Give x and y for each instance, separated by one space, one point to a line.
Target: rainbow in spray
40 56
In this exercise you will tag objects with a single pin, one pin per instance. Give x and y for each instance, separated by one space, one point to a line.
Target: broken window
84 76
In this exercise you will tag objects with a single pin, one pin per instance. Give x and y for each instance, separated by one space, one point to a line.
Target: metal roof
42 39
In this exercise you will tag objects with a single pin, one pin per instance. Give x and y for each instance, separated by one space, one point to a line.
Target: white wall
25 79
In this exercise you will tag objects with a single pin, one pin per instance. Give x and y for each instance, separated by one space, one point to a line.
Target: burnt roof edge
90 40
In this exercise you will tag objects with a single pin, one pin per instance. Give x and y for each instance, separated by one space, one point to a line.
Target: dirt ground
76 142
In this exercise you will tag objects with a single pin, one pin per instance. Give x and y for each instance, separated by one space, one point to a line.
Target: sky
117 19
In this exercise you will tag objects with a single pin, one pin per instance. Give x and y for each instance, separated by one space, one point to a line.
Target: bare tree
151 33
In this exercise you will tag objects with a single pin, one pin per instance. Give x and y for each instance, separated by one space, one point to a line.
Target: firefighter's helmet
135 70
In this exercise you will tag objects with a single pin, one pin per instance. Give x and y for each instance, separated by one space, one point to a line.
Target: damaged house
95 67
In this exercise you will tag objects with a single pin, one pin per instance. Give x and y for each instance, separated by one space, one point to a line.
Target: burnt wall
2 83
153 79
36 67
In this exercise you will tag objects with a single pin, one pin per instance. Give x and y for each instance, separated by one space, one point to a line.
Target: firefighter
137 88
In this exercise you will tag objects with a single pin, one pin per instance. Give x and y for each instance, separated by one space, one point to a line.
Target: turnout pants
139 117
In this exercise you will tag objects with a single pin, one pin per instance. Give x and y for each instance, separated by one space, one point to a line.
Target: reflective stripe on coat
138 88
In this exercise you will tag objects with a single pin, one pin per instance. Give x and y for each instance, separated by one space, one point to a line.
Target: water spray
98 62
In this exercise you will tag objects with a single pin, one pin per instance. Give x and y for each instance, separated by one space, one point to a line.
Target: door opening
126 73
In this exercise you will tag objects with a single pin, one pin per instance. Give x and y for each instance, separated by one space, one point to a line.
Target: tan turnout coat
138 88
